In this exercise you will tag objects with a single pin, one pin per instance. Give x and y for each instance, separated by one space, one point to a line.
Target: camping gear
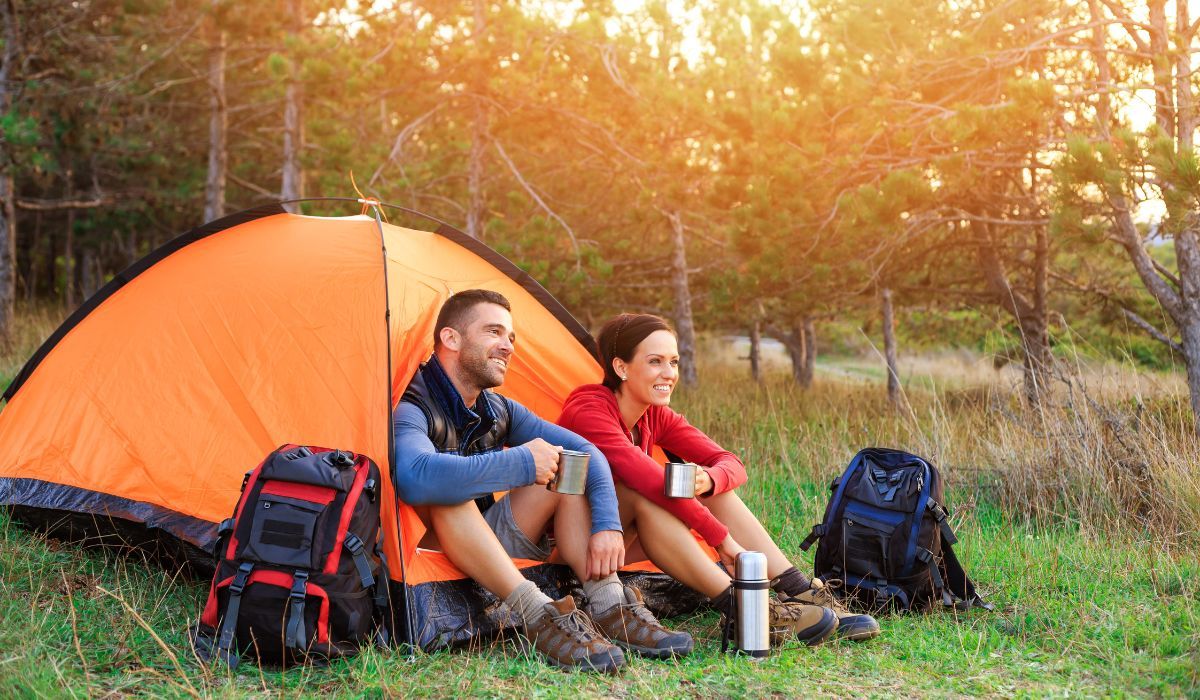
679 480
751 635
298 576
571 477
886 536
128 425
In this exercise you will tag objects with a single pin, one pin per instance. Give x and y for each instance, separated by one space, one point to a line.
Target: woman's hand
704 482
728 550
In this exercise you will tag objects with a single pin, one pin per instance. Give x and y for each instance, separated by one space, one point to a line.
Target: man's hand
728 550
606 554
545 460
704 482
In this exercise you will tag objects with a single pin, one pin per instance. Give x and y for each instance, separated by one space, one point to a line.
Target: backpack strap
818 531
355 546
941 515
922 499
228 631
224 530
960 583
382 602
294 637
926 557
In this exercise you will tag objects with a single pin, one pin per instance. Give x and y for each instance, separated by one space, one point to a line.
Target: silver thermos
750 586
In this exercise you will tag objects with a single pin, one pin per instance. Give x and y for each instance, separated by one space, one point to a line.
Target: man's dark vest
447 437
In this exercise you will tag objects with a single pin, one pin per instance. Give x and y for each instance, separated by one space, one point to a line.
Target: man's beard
479 369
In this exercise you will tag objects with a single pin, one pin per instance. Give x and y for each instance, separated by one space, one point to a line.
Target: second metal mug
571 477
679 480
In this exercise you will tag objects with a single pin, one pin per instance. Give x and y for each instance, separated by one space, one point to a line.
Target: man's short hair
456 312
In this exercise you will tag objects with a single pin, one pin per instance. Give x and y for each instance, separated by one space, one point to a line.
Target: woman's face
651 373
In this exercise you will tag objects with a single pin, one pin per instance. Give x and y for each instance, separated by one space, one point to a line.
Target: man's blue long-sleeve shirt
426 476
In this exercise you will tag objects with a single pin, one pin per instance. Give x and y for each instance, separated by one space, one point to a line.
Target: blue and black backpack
885 541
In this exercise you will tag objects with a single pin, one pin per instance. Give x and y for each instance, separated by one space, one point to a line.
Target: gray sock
604 594
528 601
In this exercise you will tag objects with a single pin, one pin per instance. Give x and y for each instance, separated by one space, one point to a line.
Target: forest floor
1090 599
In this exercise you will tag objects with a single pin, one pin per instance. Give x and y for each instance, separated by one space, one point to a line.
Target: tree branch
1152 331
538 199
60 204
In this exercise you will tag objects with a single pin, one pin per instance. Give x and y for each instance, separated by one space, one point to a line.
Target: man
450 431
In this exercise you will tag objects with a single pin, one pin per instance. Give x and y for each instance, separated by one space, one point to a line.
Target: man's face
486 346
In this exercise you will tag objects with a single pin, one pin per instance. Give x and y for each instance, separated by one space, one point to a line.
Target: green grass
1074 614
1090 600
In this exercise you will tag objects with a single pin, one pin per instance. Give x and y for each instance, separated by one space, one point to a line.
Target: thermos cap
751 566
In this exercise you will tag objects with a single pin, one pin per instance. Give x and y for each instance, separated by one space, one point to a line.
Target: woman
627 415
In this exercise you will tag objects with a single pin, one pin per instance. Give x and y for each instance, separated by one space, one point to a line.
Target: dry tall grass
1110 451
31 326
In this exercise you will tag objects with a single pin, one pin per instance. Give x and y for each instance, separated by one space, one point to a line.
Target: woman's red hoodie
591 411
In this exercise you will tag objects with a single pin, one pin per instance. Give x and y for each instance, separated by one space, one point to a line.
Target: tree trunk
8 255
756 351
684 325
1160 64
810 352
87 272
8 188
889 347
479 129
1190 340
69 258
218 119
293 132
1185 118
32 277
793 342
1030 314
475 170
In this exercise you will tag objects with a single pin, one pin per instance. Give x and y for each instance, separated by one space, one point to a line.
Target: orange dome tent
148 405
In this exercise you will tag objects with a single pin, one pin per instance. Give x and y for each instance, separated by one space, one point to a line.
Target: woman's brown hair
620 336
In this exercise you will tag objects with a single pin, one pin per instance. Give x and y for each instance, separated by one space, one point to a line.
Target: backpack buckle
369 488
299 586
354 544
239 581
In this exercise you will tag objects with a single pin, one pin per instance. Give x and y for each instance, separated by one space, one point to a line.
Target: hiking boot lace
641 612
823 596
576 624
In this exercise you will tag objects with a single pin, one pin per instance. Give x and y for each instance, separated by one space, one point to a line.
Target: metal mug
679 480
571 477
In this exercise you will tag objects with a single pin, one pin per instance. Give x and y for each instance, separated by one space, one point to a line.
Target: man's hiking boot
809 624
565 637
852 626
631 626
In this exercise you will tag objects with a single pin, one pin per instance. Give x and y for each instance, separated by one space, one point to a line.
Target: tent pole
391 455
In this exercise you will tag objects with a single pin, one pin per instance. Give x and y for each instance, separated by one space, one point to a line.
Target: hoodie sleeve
634 468
426 476
602 497
676 435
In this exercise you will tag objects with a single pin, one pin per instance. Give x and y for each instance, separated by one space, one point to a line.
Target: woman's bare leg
670 545
747 530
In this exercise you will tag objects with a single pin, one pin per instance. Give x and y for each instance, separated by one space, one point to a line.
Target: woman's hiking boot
631 626
852 626
565 637
809 624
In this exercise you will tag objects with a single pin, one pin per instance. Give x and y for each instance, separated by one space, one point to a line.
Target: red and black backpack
299 576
